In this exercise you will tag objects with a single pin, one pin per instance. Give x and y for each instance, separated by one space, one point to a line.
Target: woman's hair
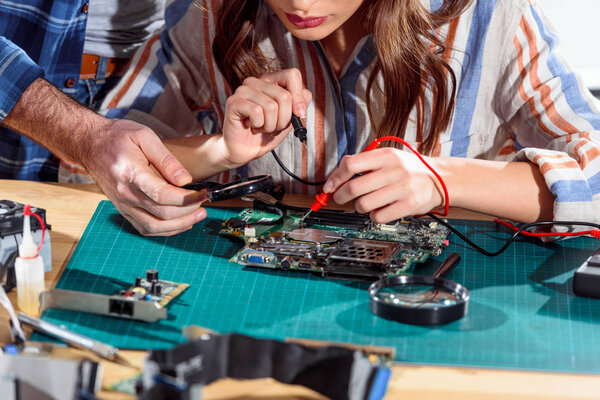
410 58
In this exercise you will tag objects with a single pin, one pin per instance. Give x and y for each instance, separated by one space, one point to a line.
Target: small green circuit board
128 385
151 288
334 243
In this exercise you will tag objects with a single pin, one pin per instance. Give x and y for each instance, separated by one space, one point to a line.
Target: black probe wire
300 132
513 237
290 173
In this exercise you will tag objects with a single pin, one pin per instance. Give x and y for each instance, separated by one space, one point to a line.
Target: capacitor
138 281
152 275
158 290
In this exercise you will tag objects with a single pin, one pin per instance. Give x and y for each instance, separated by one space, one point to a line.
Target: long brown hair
409 57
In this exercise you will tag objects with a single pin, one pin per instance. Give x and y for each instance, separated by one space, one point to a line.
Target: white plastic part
28 248
29 271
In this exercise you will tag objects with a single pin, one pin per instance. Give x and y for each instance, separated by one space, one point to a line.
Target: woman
476 86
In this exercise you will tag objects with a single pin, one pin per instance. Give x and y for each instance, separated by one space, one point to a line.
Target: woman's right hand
258 115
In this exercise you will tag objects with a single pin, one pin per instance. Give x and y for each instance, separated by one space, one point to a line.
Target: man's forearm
514 190
54 120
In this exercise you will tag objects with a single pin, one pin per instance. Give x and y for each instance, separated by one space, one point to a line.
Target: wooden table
69 209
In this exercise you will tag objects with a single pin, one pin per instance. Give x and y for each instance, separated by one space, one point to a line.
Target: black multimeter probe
299 130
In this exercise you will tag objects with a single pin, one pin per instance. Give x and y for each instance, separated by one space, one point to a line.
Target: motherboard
334 244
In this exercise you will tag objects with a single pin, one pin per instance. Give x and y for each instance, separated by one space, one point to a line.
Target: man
41 48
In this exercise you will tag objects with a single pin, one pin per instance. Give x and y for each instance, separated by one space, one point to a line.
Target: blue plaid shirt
38 38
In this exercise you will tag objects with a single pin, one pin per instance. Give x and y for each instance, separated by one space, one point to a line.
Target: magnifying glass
420 300
239 188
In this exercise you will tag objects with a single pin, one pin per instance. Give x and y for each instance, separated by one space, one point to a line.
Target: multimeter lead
320 201
299 130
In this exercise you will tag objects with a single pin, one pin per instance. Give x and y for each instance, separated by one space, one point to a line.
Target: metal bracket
112 306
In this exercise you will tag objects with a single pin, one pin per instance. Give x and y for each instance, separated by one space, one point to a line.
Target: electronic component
312 235
153 289
121 306
586 282
334 243
151 275
145 300
131 385
249 231
11 233
257 258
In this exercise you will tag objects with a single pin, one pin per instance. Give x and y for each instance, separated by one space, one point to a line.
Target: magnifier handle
450 262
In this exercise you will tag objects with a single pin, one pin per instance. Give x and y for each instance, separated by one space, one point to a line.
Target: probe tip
306 215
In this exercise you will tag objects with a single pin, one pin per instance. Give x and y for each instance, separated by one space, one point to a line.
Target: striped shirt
38 38
517 99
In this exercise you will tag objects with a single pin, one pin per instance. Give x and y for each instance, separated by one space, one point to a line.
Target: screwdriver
74 339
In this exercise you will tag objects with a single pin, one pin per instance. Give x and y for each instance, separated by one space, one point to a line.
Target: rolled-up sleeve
555 119
17 72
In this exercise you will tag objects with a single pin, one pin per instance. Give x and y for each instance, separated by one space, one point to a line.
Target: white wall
578 25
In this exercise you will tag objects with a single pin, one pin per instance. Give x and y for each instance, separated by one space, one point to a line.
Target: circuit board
333 244
145 300
153 289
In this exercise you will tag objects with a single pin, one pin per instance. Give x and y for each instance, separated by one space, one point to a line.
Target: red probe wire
322 198
592 232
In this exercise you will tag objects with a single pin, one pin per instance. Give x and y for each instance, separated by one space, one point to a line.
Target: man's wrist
85 137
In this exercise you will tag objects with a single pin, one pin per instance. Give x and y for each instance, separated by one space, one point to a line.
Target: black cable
273 209
513 237
290 173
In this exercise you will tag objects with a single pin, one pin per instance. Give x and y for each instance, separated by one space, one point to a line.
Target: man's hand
120 160
119 155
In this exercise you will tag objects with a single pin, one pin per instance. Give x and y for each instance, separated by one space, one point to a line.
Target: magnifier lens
418 296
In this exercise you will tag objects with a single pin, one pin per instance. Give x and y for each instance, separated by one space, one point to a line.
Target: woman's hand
258 114
394 184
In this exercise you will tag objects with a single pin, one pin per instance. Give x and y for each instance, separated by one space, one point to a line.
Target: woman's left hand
394 184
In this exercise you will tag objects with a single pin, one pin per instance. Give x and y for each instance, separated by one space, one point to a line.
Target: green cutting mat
522 312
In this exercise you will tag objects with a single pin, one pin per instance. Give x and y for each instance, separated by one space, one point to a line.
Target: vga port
257 258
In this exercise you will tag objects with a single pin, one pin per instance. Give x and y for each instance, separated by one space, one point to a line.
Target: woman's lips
308 22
